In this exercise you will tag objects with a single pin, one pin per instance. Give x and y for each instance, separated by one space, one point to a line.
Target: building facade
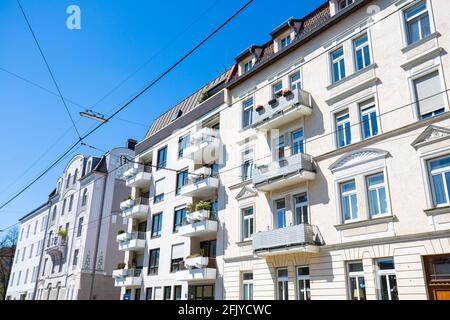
22 281
330 180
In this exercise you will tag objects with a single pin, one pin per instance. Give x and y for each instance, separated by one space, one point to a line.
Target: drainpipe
42 249
91 289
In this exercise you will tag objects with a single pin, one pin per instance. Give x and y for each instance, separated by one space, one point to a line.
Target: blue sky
117 37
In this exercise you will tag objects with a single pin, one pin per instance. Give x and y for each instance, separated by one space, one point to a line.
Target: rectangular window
280 207
297 142
349 202
156 225
301 209
429 97
179 217
177 292
285 41
440 180
247 285
303 284
176 265
23 253
362 52
417 23
64 207
282 284
31 251
177 258
148 293
369 123
356 282
338 65
75 258
376 191
182 180
296 81
344 4
167 293
387 280
247 113
80 227
70 203
208 248
183 143
153 264
159 191
343 129
247 223
162 158
247 166
279 148
277 89
35 226
248 66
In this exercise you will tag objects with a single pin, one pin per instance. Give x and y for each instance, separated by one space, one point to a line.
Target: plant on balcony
259 108
204 96
287 92
203 205
63 233
196 255
120 232
279 94
273 102
128 198
190 208
121 266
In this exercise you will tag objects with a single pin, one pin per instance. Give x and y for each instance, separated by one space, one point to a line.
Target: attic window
344 4
177 115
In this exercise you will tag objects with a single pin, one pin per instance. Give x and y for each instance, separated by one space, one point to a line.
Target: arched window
54 213
58 289
68 180
75 177
49 291
84 199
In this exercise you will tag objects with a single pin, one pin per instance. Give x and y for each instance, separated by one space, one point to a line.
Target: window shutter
178 251
427 89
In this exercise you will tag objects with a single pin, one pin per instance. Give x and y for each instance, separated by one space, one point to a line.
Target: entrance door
437 270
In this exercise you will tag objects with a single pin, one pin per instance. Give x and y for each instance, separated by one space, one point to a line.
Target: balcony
198 224
204 146
127 277
197 269
56 247
286 108
136 209
138 177
284 173
300 238
134 241
200 185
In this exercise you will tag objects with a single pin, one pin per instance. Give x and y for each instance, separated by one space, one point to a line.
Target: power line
49 69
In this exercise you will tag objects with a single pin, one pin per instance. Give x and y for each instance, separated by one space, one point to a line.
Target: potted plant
63 233
190 208
127 202
259 108
203 97
287 92
273 101
203 206
121 266
120 232
279 94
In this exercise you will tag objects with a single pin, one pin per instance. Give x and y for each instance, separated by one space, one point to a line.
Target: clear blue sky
117 37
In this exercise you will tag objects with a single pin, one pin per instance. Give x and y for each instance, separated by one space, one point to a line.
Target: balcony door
301 209
280 216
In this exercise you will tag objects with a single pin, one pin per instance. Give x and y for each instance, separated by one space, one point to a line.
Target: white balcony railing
197 269
134 241
199 224
56 246
200 184
203 146
138 177
127 277
136 208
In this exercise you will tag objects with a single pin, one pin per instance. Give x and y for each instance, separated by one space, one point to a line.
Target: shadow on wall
314 125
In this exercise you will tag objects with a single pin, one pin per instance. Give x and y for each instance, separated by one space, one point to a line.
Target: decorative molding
431 135
366 223
429 55
437 211
410 47
246 192
357 157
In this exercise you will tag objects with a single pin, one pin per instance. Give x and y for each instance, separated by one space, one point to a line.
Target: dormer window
344 4
247 66
285 42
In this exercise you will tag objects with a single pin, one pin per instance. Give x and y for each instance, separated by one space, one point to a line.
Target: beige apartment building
318 166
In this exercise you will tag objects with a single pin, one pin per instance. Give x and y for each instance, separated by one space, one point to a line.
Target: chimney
131 144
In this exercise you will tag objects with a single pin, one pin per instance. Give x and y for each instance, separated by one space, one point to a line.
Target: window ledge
437 211
420 42
366 223
352 76
244 243
241 184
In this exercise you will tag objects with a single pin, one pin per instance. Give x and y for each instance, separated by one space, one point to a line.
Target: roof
185 106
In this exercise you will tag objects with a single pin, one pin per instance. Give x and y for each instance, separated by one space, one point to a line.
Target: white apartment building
342 119
331 176
24 271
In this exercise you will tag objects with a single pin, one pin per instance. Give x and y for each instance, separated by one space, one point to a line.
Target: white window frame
338 61
285 281
275 207
415 98
302 140
246 105
347 3
377 189
386 274
276 92
361 47
366 108
246 285
251 223
405 21
357 275
337 122
247 66
303 278
288 41
296 84
301 205
348 194
430 179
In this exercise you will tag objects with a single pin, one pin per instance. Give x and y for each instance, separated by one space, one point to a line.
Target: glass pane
302 289
425 25
342 67
340 136
439 192
355 267
347 187
373 200
366 56
374 123
383 201
415 10
346 208
440 163
362 288
384 295
303 271
281 218
354 207
348 134
393 286
366 126
413 31
353 289
374 180
359 59
336 72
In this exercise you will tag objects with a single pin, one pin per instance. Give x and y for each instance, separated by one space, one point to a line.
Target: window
247 166
70 203
18 278
349 201
247 115
440 180
247 286
247 66
64 207
377 195
417 23
280 206
179 216
148 294
343 132
177 292
162 158
68 180
282 284
301 209
80 227
338 65
54 213
279 148
285 41
75 177
277 89
153 263
45 264
429 97
357 285
369 123
23 253
182 180
75 258
183 143
344 4
297 142
44 220
208 248
26 277
201 292
177 257
387 280
31 251
247 223
167 293
11 283
303 284
28 231
176 265
159 191
84 198
156 225
35 226
362 52
296 81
